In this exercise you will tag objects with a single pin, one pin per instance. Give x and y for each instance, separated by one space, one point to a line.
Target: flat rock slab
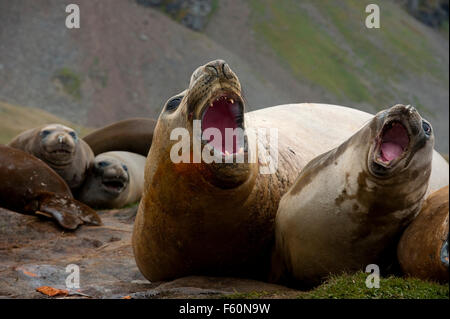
36 252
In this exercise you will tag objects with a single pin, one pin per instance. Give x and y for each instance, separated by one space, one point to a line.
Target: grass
353 287
69 81
351 61
16 119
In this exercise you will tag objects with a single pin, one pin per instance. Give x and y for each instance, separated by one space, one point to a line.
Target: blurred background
130 56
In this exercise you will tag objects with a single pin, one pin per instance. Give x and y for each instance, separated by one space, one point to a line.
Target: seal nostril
226 70
213 69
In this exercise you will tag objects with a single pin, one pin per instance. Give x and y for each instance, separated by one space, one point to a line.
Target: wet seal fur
30 186
349 206
423 248
133 135
218 218
115 180
59 147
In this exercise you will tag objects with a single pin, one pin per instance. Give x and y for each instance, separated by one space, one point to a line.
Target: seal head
401 134
60 147
214 101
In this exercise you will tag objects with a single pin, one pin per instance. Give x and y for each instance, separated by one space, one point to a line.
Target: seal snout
220 69
114 177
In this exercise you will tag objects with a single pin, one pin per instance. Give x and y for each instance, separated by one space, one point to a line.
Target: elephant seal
349 205
131 135
214 218
30 186
59 147
423 248
116 180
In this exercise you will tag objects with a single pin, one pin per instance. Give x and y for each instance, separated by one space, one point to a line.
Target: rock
431 13
35 253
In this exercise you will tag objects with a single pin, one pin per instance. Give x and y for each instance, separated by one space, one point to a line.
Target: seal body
348 206
30 186
423 248
131 135
116 180
218 218
59 147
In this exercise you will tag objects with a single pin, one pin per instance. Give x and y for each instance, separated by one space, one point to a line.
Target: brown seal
423 248
131 135
60 147
349 206
217 218
116 180
29 186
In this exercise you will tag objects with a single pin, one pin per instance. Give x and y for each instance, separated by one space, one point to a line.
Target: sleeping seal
349 206
131 135
29 186
116 180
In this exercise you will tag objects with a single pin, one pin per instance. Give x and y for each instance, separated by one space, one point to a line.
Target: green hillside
16 119
329 45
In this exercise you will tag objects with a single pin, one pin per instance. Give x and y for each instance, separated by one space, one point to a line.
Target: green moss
69 81
353 286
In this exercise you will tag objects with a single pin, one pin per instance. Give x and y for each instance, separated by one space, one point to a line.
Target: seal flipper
69 212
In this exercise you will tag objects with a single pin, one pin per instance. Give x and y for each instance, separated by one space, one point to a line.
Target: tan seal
60 147
131 135
349 206
218 218
423 248
30 186
116 180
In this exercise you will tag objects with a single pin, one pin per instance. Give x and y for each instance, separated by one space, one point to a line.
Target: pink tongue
391 151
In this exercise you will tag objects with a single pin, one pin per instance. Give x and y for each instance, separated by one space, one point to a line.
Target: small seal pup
59 147
217 218
423 248
131 135
30 186
115 180
349 206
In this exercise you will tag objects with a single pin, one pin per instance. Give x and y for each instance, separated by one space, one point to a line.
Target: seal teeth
231 101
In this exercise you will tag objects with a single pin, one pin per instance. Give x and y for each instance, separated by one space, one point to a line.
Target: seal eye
426 128
45 133
173 104
74 136
102 164
125 168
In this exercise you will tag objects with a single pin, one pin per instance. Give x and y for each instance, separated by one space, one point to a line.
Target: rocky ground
34 254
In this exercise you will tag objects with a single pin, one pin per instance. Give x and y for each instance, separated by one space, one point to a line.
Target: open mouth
393 143
113 185
225 112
